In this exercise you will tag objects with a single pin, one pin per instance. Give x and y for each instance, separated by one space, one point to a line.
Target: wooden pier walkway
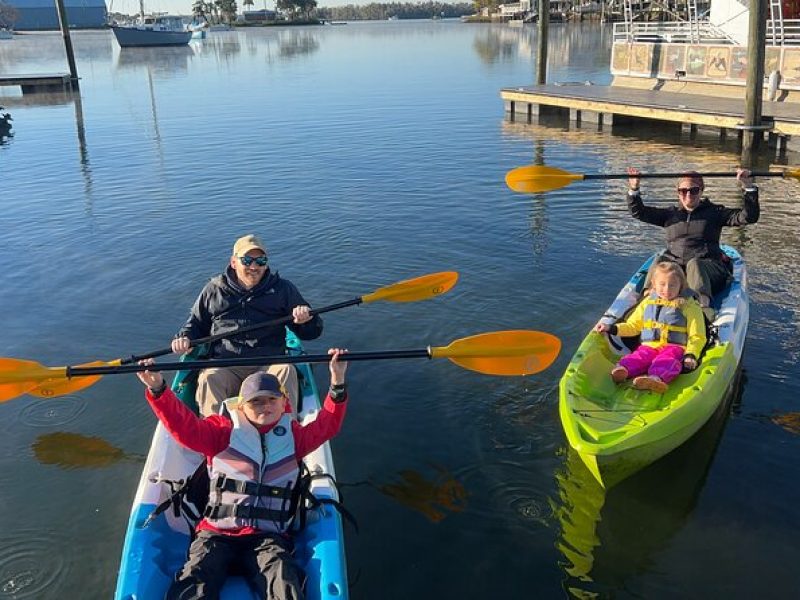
600 104
47 82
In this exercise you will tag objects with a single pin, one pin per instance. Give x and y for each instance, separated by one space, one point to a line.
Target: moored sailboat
158 30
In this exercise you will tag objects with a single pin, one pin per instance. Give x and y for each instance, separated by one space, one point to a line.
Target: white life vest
253 480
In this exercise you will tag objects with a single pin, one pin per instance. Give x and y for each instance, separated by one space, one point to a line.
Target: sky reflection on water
364 155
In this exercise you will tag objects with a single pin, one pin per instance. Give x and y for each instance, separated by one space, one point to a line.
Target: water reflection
168 61
5 126
578 45
83 152
295 43
789 421
74 451
222 45
498 45
606 538
432 497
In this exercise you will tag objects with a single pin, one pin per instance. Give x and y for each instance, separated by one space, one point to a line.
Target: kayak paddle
515 352
534 179
408 290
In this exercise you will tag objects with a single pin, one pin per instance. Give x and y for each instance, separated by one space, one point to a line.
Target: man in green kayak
247 293
693 228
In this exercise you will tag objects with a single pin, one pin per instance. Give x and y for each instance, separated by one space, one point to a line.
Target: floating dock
601 105
48 82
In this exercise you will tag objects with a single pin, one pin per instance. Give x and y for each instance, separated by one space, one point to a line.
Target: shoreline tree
8 15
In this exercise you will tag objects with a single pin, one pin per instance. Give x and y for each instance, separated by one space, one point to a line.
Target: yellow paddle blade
10 385
18 377
58 386
792 173
515 352
412 290
534 179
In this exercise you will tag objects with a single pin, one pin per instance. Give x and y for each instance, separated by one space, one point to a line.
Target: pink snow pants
664 363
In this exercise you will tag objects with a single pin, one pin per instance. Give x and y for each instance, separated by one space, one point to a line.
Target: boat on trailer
156 548
617 429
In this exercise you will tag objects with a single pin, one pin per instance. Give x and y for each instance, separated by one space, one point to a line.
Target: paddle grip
229 334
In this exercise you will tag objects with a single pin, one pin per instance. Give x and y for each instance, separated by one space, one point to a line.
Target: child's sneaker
650 384
619 374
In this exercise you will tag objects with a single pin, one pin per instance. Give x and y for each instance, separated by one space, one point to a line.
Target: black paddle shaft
233 333
670 175
252 361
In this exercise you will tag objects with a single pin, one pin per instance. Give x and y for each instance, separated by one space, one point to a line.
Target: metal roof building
41 14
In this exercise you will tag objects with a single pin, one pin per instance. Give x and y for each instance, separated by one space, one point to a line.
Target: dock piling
62 19
757 37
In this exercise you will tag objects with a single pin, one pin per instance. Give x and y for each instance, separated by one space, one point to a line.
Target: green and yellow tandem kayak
618 430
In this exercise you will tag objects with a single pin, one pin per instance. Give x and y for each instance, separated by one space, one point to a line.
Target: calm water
364 155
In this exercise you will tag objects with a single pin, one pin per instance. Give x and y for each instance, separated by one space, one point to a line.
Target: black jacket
224 305
695 234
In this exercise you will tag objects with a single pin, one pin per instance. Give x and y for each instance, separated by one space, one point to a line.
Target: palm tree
227 9
199 9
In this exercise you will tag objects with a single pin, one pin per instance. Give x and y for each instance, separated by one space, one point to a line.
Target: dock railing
671 32
679 32
787 34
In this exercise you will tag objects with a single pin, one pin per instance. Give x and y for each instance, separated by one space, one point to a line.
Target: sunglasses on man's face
261 261
690 190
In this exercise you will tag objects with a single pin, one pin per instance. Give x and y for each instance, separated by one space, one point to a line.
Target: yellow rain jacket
661 322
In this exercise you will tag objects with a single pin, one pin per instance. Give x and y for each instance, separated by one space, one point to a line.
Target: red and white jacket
212 436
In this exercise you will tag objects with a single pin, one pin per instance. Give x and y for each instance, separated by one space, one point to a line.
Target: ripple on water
514 490
30 562
51 413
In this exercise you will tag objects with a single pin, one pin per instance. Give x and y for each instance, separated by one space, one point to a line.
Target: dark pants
707 277
264 560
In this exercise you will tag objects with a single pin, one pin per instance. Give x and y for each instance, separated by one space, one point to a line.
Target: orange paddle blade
515 352
58 386
17 377
412 290
534 179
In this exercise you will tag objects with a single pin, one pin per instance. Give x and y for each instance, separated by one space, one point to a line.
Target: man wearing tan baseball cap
247 293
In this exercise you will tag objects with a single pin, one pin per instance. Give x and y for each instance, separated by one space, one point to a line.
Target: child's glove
689 363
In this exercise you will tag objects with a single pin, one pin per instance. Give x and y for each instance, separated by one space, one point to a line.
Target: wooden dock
47 82
598 104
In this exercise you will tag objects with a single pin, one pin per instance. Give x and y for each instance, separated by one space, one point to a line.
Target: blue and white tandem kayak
155 551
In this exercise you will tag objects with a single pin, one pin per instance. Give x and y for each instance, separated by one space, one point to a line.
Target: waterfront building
34 15
708 54
690 71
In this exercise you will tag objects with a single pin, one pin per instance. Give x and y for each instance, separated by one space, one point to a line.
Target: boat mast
141 11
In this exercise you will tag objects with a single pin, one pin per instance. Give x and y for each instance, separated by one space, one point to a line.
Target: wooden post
62 19
754 93
541 61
